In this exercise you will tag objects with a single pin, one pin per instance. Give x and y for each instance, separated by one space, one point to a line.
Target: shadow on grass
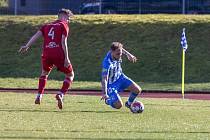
143 132
177 105
107 131
60 111
68 138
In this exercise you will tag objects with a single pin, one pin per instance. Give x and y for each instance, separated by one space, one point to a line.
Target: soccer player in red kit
54 53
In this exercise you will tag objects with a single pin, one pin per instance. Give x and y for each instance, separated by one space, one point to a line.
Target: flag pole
183 71
184 48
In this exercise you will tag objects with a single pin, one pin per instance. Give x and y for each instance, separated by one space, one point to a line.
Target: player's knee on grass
117 105
114 100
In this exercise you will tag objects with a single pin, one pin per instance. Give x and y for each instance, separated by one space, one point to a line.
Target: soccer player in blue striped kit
114 80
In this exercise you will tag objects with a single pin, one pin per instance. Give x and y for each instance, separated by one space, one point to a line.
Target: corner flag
184 40
184 48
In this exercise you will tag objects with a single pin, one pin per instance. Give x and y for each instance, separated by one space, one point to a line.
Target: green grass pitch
86 117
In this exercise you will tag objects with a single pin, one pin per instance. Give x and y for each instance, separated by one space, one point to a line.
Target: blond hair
116 45
66 12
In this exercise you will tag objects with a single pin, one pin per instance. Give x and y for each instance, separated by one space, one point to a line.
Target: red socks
42 83
43 80
66 84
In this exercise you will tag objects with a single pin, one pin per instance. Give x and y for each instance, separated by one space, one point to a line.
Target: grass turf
56 84
86 117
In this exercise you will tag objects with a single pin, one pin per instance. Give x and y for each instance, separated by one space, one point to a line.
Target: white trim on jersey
114 72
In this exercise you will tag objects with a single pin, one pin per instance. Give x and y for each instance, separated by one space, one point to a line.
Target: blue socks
132 97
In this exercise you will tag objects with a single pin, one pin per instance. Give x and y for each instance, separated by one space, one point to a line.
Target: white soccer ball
137 107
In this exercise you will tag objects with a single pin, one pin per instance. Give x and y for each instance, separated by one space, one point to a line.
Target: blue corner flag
184 40
184 48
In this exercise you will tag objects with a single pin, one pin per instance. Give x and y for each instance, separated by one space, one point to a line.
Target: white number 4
51 33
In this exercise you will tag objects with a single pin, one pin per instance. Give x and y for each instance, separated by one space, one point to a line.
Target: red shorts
49 63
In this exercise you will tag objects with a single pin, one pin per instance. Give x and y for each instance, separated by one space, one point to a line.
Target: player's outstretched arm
104 87
37 35
130 57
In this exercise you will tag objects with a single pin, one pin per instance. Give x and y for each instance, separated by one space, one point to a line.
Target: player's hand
132 58
23 49
67 63
104 97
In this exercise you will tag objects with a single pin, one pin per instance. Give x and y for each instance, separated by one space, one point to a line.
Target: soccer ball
137 107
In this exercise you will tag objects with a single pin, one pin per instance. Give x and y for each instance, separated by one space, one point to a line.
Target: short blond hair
116 45
66 12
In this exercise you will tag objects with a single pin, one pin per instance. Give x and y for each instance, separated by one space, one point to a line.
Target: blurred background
43 7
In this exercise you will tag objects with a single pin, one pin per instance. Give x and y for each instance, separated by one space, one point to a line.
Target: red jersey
52 33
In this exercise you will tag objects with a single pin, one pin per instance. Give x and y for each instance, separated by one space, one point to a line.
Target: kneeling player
114 80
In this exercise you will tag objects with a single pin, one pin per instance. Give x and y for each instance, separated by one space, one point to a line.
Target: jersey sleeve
105 67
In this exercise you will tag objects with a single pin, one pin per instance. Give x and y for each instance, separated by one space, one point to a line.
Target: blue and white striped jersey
112 68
